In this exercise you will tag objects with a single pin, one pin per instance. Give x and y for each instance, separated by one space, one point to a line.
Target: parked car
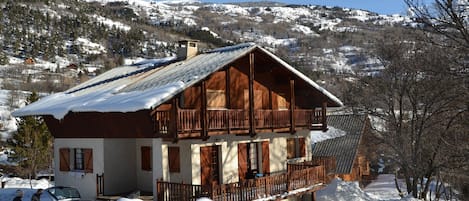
61 193
58 193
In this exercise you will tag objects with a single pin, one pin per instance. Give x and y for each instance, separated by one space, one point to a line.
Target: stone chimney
187 49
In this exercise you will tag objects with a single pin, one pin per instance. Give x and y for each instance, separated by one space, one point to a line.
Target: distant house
232 123
72 66
348 150
29 61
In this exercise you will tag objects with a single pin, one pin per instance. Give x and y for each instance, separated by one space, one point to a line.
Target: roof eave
333 99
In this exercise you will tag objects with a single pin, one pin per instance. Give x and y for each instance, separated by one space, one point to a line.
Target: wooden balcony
300 178
190 123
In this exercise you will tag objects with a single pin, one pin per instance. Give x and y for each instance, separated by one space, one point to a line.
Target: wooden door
242 160
209 165
265 158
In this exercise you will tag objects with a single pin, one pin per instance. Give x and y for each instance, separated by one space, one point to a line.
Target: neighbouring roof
343 148
147 84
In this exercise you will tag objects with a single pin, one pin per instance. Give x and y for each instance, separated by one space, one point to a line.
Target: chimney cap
187 49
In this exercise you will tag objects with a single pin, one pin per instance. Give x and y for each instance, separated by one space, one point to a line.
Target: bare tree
449 18
424 107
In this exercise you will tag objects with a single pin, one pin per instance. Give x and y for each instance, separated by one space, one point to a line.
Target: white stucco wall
185 161
159 167
119 166
120 161
190 163
85 183
144 177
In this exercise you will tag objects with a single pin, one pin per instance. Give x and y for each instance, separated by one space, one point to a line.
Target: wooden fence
250 189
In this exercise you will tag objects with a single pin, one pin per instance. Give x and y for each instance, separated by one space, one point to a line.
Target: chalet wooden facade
230 121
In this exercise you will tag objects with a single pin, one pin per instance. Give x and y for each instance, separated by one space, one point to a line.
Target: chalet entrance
210 165
253 158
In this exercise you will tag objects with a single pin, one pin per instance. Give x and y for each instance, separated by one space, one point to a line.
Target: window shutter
174 159
146 158
291 152
242 160
302 146
64 159
88 160
265 158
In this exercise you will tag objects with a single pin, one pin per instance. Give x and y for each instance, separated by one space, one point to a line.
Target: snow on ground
6 120
210 31
304 29
384 188
381 189
89 47
16 182
110 23
339 190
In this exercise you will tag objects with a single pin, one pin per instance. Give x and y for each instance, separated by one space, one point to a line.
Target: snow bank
381 189
16 182
339 190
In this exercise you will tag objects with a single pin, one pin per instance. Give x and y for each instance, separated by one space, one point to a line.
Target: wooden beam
227 97
323 116
272 109
203 111
292 106
252 125
174 119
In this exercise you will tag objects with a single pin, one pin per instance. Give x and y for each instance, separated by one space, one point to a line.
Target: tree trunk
397 185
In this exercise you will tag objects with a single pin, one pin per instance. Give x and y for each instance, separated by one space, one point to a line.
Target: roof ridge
230 48
138 71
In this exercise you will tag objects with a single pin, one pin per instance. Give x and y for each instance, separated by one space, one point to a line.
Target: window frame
76 160
297 148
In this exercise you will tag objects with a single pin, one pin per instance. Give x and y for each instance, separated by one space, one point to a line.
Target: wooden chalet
231 124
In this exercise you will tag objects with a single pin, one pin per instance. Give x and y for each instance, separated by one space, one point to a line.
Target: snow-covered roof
147 84
344 146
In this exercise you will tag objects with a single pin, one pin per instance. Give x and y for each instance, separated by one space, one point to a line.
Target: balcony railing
306 178
189 121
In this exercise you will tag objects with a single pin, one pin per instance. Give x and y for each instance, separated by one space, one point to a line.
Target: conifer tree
32 143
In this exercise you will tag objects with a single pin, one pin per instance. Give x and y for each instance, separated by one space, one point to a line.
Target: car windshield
62 193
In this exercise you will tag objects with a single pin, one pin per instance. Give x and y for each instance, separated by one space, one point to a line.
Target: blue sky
379 6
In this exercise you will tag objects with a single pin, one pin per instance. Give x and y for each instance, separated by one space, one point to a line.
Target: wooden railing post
324 120
174 119
292 106
203 111
252 125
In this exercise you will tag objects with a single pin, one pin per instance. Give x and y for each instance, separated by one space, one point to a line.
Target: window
216 98
249 160
282 102
296 148
252 159
174 159
77 160
146 158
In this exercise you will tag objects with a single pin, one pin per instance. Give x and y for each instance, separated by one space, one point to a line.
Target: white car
58 193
